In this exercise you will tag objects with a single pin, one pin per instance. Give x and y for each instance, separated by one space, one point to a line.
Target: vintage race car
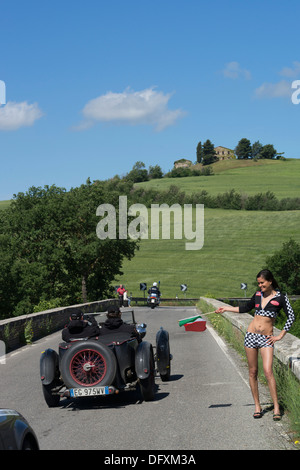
105 365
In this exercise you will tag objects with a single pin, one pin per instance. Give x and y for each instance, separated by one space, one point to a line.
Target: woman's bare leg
252 357
267 357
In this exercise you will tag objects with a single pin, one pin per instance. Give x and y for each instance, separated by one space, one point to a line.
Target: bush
262 202
285 266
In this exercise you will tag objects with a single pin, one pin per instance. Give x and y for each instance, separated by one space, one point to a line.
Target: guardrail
287 350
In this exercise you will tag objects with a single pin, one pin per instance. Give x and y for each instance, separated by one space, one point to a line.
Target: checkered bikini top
273 307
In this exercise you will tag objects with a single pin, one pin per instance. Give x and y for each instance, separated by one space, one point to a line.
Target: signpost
244 287
143 287
183 288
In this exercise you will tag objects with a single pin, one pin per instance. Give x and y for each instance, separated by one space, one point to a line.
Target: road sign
183 287
143 286
244 287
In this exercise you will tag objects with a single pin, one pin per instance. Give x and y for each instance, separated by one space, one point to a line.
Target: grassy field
4 204
236 244
246 177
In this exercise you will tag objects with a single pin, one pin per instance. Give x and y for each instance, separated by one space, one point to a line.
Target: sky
90 88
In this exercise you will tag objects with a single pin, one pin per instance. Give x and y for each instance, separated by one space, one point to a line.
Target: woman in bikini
268 301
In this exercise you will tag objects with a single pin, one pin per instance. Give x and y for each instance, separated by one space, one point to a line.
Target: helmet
76 315
155 284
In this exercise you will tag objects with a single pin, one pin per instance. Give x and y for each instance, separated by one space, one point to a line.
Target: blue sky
92 87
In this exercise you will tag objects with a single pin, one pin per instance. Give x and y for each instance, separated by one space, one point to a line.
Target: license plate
89 391
153 300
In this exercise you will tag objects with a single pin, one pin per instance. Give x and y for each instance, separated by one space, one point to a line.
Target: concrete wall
287 350
12 330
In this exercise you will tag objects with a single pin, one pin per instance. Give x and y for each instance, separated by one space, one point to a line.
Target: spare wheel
88 364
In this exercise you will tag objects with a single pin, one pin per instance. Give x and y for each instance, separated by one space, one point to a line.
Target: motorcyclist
154 290
80 327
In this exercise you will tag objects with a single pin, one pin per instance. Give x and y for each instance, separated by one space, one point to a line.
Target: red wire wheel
88 364
88 367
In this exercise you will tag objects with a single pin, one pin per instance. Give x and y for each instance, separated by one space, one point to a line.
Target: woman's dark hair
268 276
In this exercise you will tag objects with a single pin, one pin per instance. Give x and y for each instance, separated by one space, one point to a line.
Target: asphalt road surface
207 404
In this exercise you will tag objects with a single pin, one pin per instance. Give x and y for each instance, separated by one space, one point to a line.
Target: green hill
236 243
247 177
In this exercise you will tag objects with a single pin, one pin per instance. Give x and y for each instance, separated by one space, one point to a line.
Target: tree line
206 154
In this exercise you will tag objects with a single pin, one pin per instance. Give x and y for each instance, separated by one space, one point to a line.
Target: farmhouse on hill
183 163
224 153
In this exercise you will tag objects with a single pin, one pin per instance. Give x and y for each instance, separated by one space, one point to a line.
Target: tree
49 247
243 149
285 266
93 263
256 149
208 152
155 172
199 153
268 151
138 173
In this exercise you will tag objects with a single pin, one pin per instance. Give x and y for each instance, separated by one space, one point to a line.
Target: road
207 404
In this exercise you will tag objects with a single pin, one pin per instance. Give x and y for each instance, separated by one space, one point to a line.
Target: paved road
207 404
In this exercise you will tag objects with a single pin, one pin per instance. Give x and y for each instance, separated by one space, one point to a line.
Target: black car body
104 365
15 432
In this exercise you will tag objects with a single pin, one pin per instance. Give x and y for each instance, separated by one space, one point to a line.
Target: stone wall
13 331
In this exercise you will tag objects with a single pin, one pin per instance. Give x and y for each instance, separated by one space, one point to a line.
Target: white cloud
234 70
283 88
131 107
291 72
14 115
274 90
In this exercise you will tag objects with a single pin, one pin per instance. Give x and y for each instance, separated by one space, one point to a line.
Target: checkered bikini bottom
254 340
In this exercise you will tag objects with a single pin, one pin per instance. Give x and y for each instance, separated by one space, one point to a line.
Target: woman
267 302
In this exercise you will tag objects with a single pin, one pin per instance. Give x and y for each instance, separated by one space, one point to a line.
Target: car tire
147 386
51 400
88 364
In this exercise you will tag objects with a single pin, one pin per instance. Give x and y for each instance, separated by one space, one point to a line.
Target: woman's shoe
258 414
276 417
